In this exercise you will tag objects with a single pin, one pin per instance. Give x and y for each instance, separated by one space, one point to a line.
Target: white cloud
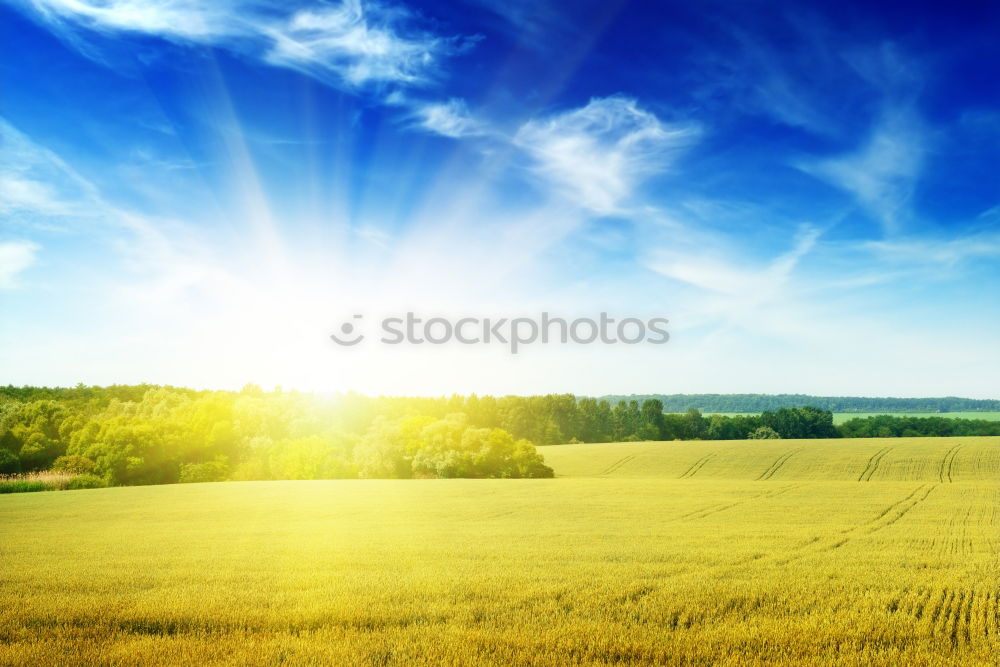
357 43
882 175
172 19
15 257
352 43
599 153
451 119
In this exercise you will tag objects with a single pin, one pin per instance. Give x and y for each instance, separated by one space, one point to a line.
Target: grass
853 552
35 481
23 486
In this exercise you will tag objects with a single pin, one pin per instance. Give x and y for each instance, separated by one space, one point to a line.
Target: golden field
853 552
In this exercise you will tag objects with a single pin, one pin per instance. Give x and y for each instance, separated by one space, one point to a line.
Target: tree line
160 435
754 403
896 426
149 434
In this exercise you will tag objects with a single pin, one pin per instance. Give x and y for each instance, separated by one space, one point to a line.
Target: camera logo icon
347 330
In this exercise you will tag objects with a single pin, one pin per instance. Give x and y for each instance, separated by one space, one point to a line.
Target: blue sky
198 193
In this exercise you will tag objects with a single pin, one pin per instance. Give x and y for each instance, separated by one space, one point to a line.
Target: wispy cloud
176 20
928 252
19 193
349 44
35 182
533 22
767 80
861 96
598 154
722 299
883 173
15 257
358 43
451 119
41 192
750 284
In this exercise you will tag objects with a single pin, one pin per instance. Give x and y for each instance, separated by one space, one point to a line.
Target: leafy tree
381 452
653 425
73 464
764 433
9 463
695 426
85 482
210 471
39 451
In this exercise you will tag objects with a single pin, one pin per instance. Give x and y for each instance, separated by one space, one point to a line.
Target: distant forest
760 402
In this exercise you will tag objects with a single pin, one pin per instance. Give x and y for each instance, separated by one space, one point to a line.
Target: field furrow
617 464
776 466
698 465
872 465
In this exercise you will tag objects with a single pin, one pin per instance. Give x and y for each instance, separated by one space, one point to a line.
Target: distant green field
841 417
846 552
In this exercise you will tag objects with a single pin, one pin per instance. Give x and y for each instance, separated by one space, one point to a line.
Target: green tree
653 425
9 463
73 464
764 433
695 426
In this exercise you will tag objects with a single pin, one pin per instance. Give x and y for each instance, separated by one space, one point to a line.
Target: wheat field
846 552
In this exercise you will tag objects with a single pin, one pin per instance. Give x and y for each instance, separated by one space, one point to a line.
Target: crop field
847 552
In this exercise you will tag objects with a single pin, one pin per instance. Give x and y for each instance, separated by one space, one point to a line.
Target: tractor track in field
715 509
696 466
907 504
948 463
885 518
617 465
900 502
778 463
872 465
954 540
